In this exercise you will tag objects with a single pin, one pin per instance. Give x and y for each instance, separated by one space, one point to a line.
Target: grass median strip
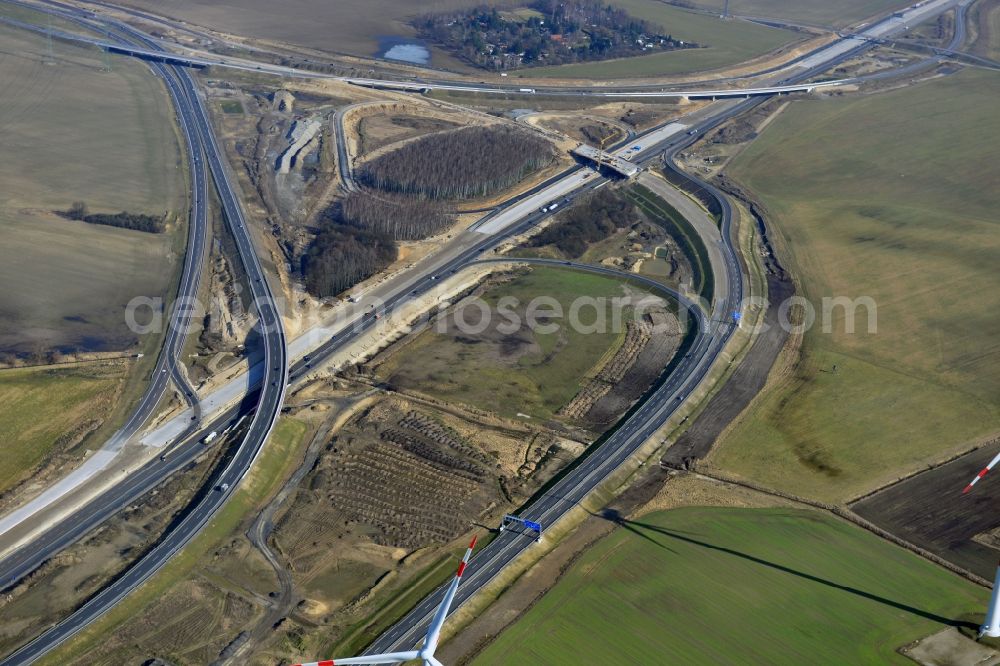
682 232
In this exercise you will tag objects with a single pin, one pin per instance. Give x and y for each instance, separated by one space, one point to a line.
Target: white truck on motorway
354 298
210 436
526 90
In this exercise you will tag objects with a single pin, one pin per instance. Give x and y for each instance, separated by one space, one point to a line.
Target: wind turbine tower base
991 627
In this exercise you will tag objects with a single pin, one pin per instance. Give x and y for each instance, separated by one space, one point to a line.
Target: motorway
640 424
634 430
617 448
194 119
151 50
169 365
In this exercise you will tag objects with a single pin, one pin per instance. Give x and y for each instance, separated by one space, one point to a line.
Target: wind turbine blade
982 473
390 658
434 631
430 641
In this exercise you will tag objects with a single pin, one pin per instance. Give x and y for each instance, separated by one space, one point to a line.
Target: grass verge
725 43
46 407
682 232
533 371
813 12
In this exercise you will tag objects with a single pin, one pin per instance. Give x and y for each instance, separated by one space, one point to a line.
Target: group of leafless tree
591 220
359 237
342 256
359 234
467 163
562 31
399 217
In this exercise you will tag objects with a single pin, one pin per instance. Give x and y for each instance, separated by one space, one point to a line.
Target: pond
405 49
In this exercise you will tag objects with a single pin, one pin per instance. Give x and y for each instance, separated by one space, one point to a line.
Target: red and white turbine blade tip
327 662
981 474
465 560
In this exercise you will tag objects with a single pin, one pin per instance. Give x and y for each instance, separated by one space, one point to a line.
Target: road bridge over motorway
618 164
148 52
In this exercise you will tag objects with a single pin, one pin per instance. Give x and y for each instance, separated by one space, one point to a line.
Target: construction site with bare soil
382 476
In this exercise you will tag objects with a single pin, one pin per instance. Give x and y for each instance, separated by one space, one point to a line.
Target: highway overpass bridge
200 62
158 56
602 158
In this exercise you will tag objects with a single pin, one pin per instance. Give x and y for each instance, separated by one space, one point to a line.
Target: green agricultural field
737 586
74 132
45 406
231 106
811 12
530 371
727 42
891 197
